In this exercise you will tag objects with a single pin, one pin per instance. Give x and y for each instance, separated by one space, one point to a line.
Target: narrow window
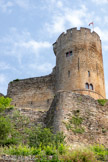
86 85
91 86
78 63
68 73
88 73
68 53
31 102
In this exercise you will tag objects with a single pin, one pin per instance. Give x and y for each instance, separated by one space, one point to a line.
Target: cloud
100 1
44 68
6 6
102 33
19 44
68 17
2 79
4 66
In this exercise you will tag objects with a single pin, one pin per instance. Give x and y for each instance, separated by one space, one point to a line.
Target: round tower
79 63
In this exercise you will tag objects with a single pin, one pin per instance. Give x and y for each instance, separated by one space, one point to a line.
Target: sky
28 28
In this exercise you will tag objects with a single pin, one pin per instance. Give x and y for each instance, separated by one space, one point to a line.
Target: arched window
91 86
86 85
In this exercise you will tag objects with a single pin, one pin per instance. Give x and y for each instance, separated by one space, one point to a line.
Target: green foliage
76 120
22 150
4 103
78 130
62 149
43 137
16 80
5 128
102 102
50 150
100 151
83 155
74 123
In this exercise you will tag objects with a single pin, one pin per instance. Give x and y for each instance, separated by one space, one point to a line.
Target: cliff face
81 118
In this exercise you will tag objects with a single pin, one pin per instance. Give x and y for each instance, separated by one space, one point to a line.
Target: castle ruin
79 69
71 90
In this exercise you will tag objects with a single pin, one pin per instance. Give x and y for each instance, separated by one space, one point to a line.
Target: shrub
40 136
16 80
62 149
4 103
22 150
50 150
78 156
5 128
102 102
100 151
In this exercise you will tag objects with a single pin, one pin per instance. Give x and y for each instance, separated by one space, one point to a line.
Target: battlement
74 34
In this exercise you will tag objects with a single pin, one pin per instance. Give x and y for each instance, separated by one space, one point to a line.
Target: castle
79 69
70 91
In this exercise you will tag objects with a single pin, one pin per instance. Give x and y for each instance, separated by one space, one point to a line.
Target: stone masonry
79 68
67 98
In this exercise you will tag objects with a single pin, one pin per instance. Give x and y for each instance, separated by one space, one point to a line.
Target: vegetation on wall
102 102
75 123
40 142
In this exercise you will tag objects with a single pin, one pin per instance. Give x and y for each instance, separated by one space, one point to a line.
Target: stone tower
79 63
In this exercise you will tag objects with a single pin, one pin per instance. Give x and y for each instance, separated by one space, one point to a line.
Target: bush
50 150
5 128
22 150
4 103
102 102
44 137
100 151
78 156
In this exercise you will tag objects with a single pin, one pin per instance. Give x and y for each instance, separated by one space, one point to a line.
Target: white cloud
68 17
102 33
21 44
4 66
5 6
44 68
2 79
34 45
23 3
100 1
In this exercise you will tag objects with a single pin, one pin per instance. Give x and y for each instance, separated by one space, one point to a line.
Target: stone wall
68 108
36 93
84 65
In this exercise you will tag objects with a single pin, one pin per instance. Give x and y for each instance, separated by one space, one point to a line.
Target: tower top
77 35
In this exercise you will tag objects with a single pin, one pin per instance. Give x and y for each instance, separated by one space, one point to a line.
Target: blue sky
28 28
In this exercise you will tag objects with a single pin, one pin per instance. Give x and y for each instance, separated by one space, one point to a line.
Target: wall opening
68 53
91 86
86 85
88 73
78 63
68 73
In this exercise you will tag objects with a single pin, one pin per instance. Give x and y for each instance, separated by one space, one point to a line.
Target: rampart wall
34 93
69 108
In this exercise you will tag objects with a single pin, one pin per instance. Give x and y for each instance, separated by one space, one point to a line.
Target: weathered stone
95 118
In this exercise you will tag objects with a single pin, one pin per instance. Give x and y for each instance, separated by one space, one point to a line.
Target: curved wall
79 61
